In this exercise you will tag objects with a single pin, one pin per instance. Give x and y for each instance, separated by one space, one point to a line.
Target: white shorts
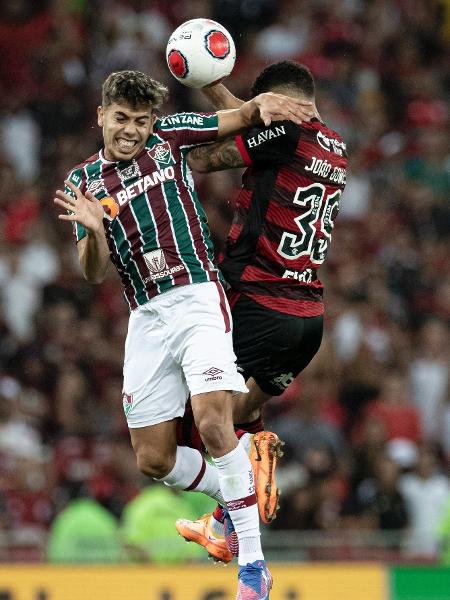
177 343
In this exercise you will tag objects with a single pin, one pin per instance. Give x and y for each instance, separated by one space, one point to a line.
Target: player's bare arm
263 108
220 97
215 157
86 210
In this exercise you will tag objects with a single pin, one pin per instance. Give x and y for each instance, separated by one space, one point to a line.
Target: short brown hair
133 88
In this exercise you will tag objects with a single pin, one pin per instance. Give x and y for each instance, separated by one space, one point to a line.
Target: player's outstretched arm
220 97
93 250
264 108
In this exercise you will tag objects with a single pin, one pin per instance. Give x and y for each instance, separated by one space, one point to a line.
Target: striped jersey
156 229
285 215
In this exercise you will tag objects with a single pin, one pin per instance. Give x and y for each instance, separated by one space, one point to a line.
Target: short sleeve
274 144
76 177
192 129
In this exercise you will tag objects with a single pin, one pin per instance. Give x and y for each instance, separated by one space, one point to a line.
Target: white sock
238 490
191 472
245 441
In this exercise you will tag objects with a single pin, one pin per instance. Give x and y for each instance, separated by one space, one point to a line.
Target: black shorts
273 347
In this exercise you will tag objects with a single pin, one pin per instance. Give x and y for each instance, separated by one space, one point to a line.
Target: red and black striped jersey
285 215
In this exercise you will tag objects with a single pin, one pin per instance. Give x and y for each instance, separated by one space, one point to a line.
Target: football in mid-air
200 52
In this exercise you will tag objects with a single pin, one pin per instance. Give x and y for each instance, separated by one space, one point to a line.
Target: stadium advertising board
292 582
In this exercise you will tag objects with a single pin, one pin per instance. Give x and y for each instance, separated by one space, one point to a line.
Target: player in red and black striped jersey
281 231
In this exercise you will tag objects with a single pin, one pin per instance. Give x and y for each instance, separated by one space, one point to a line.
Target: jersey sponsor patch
157 265
110 207
129 172
331 144
265 136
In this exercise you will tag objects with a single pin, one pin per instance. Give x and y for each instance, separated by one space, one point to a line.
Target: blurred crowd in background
367 425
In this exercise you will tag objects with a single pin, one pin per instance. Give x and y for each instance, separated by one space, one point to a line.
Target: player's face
125 129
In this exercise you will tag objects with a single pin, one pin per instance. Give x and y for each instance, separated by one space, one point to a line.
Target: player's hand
85 209
274 107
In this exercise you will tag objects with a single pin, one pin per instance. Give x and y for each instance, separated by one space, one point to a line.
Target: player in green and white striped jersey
134 203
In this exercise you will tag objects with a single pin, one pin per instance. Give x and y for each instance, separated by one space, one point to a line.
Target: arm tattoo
218 156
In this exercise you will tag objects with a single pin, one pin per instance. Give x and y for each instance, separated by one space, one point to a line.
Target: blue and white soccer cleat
230 534
254 581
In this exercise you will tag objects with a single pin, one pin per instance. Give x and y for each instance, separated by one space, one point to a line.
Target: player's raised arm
85 210
220 97
263 109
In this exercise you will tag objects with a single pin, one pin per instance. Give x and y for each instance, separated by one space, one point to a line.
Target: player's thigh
273 347
201 340
154 388
155 446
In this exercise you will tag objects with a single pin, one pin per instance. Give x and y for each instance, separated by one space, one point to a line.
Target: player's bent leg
247 406
213 416
265 449
179 467
155 448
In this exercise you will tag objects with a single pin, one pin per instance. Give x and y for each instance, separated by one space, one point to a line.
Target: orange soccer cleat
200 532
265 450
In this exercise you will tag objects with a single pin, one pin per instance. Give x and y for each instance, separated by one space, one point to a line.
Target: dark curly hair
284 74
133 88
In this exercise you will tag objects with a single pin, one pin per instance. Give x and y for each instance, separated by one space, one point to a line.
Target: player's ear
100 116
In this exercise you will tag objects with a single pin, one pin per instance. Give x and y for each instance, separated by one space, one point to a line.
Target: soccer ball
200 52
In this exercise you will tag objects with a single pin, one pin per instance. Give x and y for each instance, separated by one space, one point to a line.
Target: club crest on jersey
129 172
161 153
127 400
217 44
331 144
96 187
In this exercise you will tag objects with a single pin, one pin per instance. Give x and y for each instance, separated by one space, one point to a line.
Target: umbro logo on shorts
212 374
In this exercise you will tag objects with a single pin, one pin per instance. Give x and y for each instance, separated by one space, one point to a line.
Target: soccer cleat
265 450
230 534
200 532
254 581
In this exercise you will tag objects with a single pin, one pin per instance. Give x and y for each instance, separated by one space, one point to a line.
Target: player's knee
154 463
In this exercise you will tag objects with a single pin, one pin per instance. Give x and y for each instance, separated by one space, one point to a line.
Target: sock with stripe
238 490
191 472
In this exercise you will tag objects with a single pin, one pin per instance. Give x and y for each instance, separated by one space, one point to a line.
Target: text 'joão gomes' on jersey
156 228
285 215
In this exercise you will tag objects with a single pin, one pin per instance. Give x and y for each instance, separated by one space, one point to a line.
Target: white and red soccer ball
200 52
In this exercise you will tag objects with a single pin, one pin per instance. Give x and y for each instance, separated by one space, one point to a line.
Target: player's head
285 77
126 114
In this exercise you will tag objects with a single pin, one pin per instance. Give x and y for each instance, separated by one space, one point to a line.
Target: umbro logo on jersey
157 266
161 153
96 186
331 144
213 374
